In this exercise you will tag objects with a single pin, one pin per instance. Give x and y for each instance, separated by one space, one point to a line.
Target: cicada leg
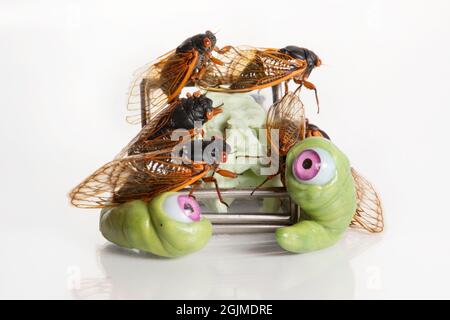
264 182
224 173
219 51
193 187
216 61
216 185
223 49
199 74
309 86
227 173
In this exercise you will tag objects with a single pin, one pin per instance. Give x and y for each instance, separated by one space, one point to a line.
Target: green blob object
328 208
147 227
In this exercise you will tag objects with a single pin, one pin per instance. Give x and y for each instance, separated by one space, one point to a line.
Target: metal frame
242 222
249 221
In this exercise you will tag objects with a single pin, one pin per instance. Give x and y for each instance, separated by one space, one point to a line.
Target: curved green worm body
327 207
148 227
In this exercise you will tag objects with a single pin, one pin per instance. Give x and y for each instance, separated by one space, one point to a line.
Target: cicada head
212 40
312 60
191 110
203 42
201 107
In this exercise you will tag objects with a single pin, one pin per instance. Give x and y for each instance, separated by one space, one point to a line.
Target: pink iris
306 165
190 207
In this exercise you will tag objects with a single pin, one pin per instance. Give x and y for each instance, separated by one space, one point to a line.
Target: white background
384 87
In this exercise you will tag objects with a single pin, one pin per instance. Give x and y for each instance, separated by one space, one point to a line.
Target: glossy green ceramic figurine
317 175
170 225
319 180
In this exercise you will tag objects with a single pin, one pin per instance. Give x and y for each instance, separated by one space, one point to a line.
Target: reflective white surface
384 92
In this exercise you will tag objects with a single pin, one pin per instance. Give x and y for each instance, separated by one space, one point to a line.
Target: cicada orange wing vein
162 83
369 212
139 176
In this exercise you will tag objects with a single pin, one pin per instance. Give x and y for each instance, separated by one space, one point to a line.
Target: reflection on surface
231 266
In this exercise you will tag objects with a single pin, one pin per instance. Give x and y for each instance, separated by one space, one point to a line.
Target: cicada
160 82
145 175
155 162
183 113
245 69
288 117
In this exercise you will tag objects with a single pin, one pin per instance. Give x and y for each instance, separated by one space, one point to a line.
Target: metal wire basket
245 214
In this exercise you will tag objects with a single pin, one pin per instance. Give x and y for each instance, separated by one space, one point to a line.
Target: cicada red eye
207 42
318 62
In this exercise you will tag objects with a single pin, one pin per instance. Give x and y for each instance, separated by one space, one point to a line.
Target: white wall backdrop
385 98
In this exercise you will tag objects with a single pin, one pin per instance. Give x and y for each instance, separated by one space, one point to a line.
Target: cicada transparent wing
369 213
159 83
134 177
246 69
288 117
145 139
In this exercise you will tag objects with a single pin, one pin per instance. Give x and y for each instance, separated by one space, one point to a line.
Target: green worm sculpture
169 225
320 181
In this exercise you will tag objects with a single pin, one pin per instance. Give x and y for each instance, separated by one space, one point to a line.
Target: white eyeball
182 208
314 166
